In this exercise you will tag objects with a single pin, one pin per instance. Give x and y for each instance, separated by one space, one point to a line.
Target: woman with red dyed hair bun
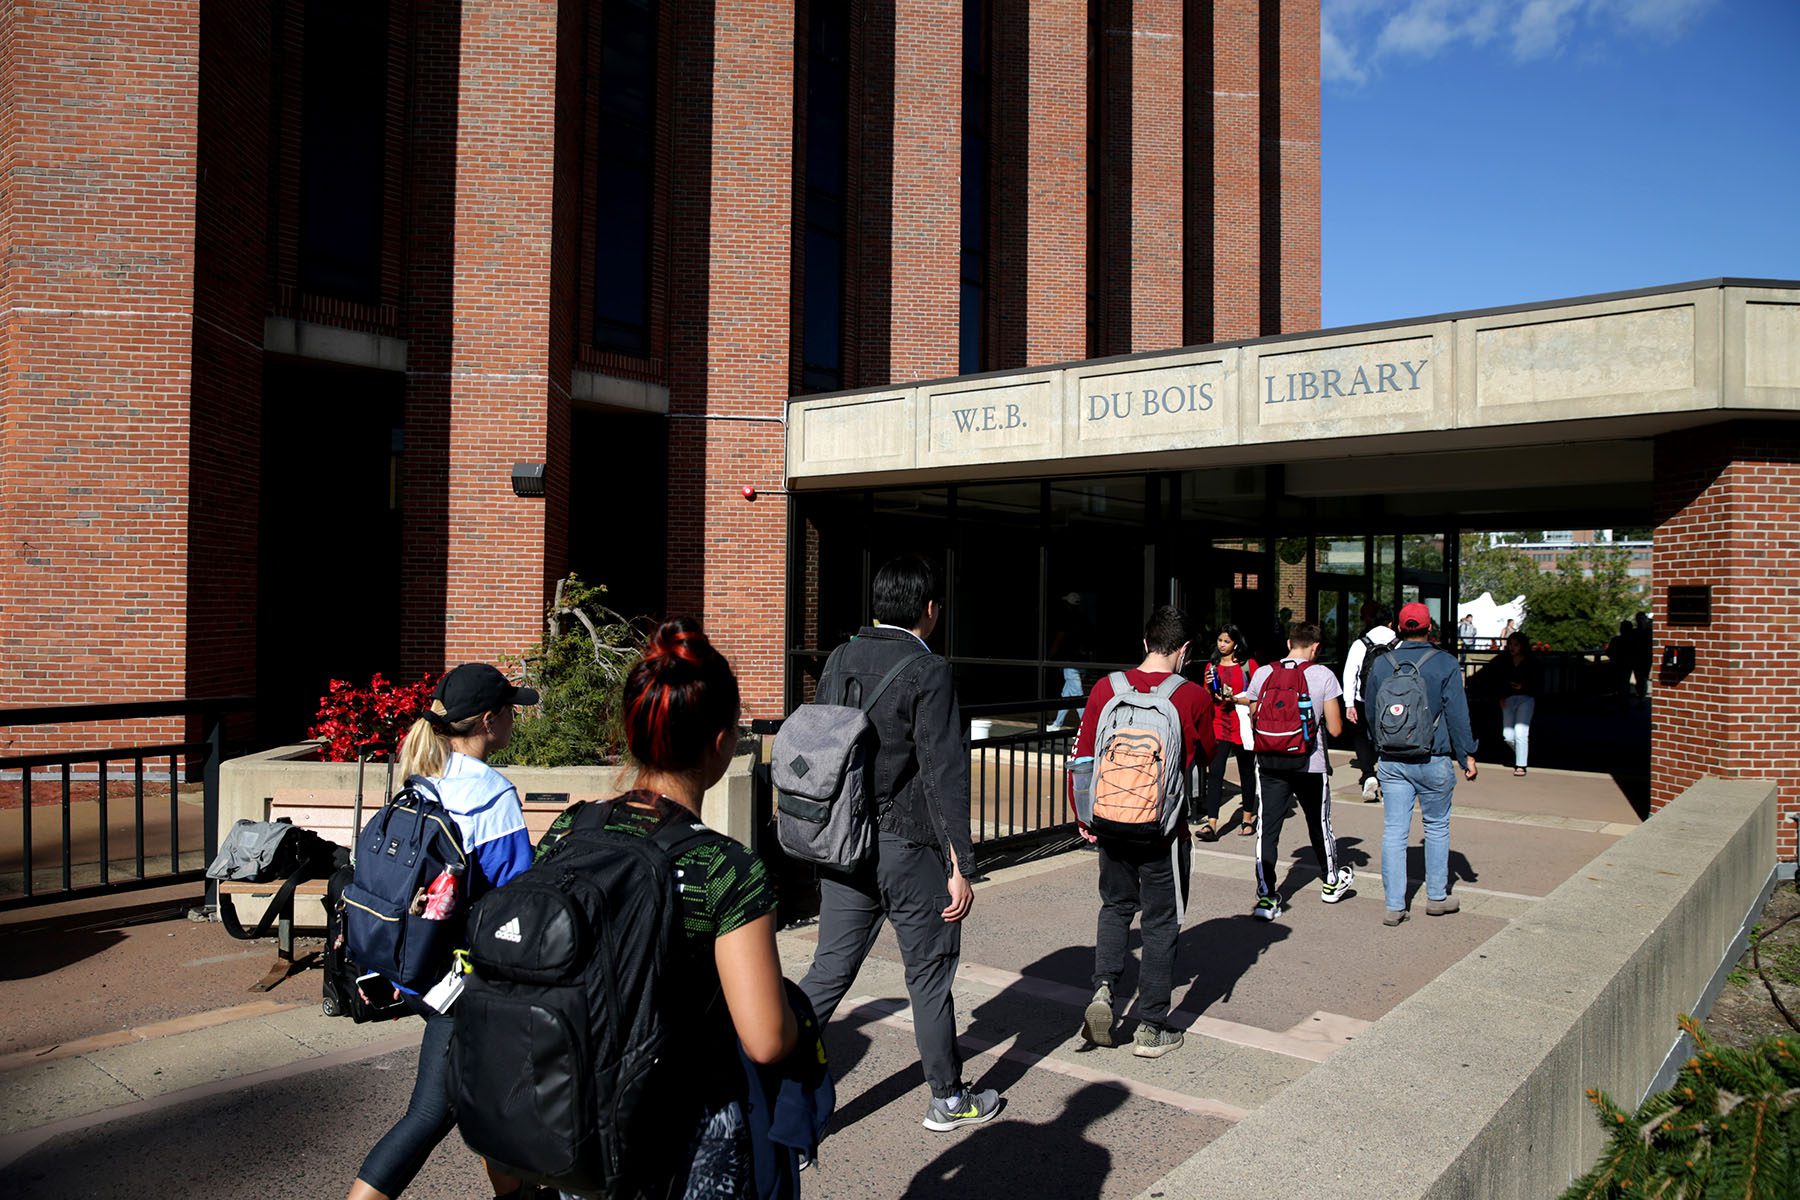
681 725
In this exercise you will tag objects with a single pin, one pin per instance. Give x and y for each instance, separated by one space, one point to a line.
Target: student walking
681 709
1148 871
1368 647
1228 672
917 876
1294 704
1518 677
470 717
1421 730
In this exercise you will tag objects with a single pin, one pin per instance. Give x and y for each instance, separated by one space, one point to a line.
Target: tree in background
1576 607
1500 571
1580 605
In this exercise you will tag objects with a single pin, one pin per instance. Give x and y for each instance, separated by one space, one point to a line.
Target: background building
287 287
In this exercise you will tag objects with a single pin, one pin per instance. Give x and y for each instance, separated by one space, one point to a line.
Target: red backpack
1284 724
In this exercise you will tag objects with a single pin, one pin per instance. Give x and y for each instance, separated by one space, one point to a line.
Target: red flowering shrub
368 720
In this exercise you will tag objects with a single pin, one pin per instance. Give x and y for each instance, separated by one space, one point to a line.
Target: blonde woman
470 717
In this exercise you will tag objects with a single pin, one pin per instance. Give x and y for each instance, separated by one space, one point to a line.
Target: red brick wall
733 211
1728 516
230 291
431 104
1236 169
1054 302
925 195
1156 292
502 400
1298 231
96 336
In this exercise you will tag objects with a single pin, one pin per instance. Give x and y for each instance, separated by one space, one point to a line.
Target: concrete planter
248 785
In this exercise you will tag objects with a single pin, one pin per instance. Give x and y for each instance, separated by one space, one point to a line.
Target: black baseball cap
475 688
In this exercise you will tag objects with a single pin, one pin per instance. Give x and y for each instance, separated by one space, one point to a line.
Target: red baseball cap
1415 616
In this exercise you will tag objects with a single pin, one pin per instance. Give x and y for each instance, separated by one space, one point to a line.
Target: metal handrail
210 749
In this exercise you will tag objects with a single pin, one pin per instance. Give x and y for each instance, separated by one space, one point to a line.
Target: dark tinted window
975 184
827 108
343 133
625 176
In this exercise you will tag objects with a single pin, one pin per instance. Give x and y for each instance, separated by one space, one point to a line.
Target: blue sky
1482 153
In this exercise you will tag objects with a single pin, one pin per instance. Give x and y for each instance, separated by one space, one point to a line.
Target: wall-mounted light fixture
528 479
750 492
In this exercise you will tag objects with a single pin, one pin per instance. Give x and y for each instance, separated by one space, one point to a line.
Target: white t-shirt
1321 685
1381 635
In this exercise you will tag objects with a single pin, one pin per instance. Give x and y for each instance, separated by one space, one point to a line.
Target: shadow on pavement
40 947
1212 956
1018 1158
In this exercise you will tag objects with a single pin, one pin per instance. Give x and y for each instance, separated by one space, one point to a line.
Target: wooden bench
330 813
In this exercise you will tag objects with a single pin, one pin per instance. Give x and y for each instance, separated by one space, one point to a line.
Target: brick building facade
288 286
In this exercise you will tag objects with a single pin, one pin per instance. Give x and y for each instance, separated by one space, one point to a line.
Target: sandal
1247 827
1209 830
1518 772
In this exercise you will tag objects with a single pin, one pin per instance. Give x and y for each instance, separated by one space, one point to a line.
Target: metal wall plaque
1690 605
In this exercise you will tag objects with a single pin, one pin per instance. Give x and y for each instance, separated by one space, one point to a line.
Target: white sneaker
1267 908
1331 891
1371 788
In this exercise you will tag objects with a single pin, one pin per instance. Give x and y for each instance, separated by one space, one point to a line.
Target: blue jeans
1071 686
1515 726
1431 782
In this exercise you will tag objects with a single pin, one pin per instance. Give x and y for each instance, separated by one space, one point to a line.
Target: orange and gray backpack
1138 789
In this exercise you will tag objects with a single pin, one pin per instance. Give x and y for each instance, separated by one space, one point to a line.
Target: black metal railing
105 872
1017 772
1018 769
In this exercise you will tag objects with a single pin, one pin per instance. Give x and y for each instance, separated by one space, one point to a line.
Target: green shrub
1729 1127
579 670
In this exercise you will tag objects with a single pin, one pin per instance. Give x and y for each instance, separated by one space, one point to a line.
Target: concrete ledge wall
247 784
1475 1085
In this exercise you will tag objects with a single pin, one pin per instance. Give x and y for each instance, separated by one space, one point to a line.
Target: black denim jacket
920 772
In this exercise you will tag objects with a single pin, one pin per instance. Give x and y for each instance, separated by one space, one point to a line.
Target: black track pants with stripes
1275 791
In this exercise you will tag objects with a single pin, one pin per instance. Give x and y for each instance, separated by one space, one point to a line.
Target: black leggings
429 1117
1215 779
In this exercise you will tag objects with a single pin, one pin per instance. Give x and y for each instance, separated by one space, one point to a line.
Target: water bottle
1306 717
440 897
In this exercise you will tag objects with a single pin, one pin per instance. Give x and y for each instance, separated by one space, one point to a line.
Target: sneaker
1332 891
1267 908
1371 788
1442 908
1154 1041
966 1107
1394 916
1097 1022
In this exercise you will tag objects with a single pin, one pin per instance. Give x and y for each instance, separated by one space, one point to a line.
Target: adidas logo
509 932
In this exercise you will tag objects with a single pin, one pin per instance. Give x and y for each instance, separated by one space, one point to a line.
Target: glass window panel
1229 494
829 577
1339 555
1096 548
994 611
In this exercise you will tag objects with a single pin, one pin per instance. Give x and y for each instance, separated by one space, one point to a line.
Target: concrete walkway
134 1063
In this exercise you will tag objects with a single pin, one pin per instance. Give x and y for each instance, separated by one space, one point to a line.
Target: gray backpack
1401 721
1135 787
823 811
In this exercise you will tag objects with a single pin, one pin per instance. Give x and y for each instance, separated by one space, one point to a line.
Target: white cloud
1356 37
1540 27
1336 63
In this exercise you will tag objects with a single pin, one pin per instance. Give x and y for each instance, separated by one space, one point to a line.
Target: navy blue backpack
407 845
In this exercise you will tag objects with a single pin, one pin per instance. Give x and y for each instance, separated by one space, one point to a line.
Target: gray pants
907 885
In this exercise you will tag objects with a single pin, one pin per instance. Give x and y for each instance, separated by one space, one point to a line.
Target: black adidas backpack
564 1015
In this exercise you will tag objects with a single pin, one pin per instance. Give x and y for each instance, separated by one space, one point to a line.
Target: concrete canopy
1349 409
